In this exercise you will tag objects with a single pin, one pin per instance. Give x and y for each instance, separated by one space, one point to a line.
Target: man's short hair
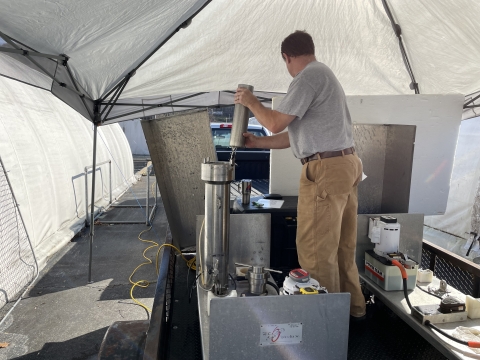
297 44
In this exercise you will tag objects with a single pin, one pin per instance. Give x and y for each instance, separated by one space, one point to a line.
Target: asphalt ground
63 316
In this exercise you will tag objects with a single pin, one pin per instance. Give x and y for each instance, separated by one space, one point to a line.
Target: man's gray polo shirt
322 121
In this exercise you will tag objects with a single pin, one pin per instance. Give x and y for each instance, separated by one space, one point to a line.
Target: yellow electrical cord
142 283
145 283
190 263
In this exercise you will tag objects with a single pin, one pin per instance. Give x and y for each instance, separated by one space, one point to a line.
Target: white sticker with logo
281 334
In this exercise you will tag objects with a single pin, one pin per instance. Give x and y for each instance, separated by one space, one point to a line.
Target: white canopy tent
115 62
127 46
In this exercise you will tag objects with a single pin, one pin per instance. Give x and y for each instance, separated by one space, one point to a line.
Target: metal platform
383 335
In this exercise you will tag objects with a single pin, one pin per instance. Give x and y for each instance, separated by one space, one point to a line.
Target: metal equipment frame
148 214
87 223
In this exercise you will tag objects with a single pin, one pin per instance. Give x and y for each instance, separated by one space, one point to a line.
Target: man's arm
279 141
273 120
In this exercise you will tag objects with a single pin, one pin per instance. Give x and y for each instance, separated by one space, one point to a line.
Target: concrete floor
64 317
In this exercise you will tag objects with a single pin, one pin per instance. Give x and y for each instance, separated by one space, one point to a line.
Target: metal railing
86 186
148 213
461 273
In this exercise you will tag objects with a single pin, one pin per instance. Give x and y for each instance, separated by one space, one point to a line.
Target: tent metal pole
72 79
45 71
470 101
169 104
92 206
398 33
116 96
32 53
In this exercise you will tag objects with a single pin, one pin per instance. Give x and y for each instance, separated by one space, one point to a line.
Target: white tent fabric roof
241 40
103 39
231 42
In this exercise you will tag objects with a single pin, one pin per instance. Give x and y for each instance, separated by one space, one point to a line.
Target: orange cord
402 269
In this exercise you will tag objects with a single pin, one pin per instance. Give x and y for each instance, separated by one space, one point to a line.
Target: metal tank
240 122
214 248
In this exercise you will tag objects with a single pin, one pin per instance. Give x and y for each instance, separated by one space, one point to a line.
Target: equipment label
375 271
281 334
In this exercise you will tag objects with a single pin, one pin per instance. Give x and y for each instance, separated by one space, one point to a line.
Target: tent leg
92 209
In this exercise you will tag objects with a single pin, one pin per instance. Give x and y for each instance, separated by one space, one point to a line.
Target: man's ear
287 58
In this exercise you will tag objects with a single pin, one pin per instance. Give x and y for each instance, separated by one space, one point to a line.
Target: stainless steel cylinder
245 188
240 122
214 249
257 279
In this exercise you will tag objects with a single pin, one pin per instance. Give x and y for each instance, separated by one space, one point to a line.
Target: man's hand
271 119
245 97
250 140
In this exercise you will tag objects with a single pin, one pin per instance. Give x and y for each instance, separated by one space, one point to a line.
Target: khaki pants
327 225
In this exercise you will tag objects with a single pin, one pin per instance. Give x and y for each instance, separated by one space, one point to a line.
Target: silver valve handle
277 271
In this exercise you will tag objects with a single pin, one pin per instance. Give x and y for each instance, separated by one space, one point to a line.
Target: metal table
395 300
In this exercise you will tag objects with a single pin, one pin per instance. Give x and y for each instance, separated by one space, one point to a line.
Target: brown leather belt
328 154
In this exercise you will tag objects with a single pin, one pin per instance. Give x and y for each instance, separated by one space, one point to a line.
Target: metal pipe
147 203
214 250
86 197
121 222
156 191
74 82
110 178
92 208
126 206
240 122
151 214
86 186
32 53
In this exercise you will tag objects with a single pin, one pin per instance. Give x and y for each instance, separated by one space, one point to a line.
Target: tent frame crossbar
398 33
115 88
74 82
172 103
29 53
32 53
465 105
168 103
114 99
261 98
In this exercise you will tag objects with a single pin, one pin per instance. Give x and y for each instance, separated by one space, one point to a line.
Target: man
320 135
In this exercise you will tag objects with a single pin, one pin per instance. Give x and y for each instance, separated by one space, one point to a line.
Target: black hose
405 291
274 286
234 282
429 293
429 324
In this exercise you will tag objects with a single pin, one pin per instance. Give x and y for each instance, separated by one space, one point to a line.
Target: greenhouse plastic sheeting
45 146
462 215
